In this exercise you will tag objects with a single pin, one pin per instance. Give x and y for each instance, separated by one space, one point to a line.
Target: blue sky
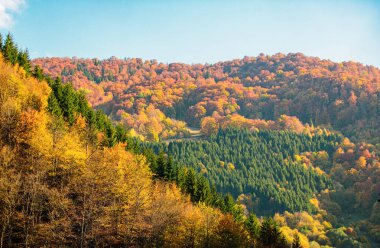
195 31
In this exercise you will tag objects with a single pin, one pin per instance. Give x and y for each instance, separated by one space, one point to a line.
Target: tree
270 234
253 226
10 49
190 183
53 106
229 233
169 169
160 169
38 73
24 61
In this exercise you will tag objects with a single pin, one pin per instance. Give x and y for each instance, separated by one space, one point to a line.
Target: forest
82 165
262 164
153 99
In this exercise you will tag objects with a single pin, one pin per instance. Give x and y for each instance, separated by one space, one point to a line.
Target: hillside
283 153
262 164
150 97
319 174
67 179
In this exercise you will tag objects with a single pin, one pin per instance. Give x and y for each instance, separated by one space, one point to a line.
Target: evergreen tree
161 165
53 106
270 234
190 183
24 60
9 50
229 204
38 73
169 169
253 226
203 189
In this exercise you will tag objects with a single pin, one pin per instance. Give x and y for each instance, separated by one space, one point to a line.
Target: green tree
9 50
270 234
24 60
38 73
253 226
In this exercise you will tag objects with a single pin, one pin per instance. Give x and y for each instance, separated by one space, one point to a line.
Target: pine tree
229 204
53 106
270 234
38 73
190 183
203 189
161 165
24 60
253 226
9 50
169 169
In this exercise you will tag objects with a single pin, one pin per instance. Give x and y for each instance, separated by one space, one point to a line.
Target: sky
197 31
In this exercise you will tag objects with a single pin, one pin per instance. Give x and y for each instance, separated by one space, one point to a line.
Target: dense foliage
344 95
259 163
62 185
70 178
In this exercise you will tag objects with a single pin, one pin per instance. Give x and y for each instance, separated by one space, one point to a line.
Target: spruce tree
253 226
229 204
10 51
24 60
53 106
161 165
203 189
270 234
169 169
38 73
190 183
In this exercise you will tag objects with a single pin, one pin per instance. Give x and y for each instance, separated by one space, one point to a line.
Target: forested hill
70 178
147 96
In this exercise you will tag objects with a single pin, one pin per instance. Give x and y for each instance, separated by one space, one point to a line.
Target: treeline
261 163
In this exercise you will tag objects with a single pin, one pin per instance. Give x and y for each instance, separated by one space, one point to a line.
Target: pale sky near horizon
195 31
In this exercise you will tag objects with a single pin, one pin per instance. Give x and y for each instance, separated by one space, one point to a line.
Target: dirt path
195 133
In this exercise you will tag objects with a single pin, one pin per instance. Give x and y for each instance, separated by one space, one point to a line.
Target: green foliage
270 234
192 183
265 165
10 50
253 226
64 100
24 61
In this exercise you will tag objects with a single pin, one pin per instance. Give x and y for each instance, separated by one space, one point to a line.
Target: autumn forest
266 151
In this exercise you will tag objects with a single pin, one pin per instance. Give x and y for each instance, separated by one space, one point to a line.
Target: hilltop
157 99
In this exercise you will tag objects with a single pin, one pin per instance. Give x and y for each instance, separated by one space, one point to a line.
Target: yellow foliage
319 171
230 166
361 162
314 201
289 235
327 224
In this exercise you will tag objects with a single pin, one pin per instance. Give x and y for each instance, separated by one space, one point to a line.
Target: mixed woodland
98 153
